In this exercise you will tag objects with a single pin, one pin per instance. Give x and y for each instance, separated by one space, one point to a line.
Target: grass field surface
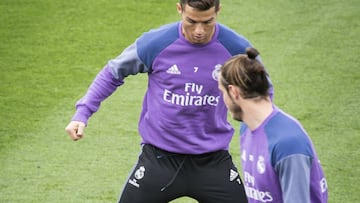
51 50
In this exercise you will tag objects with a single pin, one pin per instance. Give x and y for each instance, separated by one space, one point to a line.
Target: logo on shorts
234 175
139 174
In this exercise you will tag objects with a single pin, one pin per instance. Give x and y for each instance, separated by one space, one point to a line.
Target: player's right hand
75 129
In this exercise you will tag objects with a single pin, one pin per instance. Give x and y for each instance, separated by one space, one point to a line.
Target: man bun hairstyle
251 52
247 73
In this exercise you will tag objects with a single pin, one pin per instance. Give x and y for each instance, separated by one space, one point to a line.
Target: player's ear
179 8
218 9
234 91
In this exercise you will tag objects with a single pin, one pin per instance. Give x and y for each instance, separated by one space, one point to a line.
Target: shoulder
232 41
286 137
159 37
151 43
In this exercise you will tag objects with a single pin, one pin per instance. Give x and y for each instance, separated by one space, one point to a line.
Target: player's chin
198 41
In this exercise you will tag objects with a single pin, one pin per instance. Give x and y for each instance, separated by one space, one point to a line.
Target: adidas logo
173 70
233 175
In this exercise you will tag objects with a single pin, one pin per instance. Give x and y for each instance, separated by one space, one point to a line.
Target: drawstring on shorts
174 176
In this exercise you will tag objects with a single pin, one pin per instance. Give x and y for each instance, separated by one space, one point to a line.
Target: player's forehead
199 15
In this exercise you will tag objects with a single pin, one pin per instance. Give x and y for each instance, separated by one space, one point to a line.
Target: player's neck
257 112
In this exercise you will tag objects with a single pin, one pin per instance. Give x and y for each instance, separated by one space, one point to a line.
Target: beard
236 112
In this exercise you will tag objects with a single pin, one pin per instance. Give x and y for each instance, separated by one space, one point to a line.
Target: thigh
217 180
149 176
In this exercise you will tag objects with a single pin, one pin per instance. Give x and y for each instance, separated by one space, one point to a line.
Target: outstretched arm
105 83
101 88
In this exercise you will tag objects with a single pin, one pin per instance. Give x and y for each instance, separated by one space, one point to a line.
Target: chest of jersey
259 177
189 70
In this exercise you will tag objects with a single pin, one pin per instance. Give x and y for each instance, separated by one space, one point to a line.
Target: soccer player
278 158
183 124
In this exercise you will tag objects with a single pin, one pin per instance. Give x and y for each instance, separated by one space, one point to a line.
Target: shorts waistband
167 153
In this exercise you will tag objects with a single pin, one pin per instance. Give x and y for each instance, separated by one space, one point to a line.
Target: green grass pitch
51 50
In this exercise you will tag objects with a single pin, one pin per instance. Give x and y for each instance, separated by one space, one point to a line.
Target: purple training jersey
280 164
182 111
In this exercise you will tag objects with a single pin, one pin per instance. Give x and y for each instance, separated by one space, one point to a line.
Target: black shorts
160 177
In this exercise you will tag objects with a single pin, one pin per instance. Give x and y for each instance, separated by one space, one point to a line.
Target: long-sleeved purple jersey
280 163
182 110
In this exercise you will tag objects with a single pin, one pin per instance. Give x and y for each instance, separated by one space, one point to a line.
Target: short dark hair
201 5
247 73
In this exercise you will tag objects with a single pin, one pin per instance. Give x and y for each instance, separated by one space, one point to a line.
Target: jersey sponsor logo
139 174
258 195
174 70
193 92
248 178
192 96
254 193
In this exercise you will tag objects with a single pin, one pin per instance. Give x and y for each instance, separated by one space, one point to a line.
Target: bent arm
102 87
107 81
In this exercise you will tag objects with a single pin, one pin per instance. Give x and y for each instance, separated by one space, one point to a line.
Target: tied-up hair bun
251 52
